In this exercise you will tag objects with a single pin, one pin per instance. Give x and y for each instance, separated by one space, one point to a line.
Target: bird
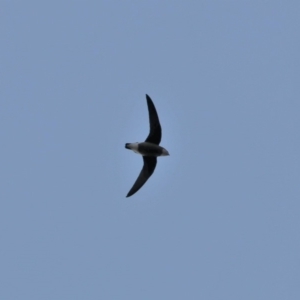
149 149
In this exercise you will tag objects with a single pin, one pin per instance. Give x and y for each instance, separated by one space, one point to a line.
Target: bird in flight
149 149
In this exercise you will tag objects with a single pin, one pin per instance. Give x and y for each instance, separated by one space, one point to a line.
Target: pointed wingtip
129 194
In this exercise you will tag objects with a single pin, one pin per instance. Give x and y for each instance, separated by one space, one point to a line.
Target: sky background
219 218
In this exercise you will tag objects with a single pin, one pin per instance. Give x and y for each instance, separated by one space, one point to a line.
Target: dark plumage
150 149
147 171
154 136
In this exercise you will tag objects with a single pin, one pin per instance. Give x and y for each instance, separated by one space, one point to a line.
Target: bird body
149 149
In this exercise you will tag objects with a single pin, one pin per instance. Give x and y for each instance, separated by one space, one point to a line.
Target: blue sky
219 219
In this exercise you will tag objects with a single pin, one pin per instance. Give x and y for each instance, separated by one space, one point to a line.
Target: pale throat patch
134 147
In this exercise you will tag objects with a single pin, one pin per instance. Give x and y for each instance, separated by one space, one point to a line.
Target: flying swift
149 149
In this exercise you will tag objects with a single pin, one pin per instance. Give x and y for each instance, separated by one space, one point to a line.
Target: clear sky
219 218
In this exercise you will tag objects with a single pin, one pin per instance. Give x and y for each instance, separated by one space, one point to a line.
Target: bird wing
147 171
155 128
